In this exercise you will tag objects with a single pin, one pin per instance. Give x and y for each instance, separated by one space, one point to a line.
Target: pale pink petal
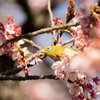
15 55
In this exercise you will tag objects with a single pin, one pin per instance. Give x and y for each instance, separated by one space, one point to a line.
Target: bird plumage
55 52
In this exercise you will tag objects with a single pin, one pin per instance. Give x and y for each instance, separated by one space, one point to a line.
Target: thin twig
66 42
41 31
20 78
32 44
51 18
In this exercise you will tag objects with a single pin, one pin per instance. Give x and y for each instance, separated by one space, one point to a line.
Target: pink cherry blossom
58 66
72 75
76 90
26 70
82 15
89 2
61 68
37 60
56 56
65 57
60 74
10 28
80 62
17 30
58 43
15 55
9 18
57 21
82 9
22 62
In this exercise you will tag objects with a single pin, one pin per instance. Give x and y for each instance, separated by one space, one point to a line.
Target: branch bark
41 31
34 77
51 19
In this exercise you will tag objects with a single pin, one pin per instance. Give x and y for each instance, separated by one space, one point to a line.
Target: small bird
56 52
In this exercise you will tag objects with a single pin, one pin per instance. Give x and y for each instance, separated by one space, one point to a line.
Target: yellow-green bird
55 52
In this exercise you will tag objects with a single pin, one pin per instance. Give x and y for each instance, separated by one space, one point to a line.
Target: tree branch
32 43
66 42
41 31
15 70
51 19
20 78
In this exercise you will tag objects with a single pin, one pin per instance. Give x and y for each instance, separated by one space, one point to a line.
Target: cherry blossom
9 18
56 56
82 15
15 54
60 74
76 90
57 21
36 60
26 70
58 43
10 28
58 66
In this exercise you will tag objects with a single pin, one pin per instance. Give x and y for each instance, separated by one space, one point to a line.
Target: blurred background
33 15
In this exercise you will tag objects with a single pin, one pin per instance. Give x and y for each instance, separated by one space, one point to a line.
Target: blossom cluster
13 49
7 32
81 72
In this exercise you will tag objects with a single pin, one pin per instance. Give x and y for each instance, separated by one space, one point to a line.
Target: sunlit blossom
60 74
37 60
10 28
21 42
25 50
76 89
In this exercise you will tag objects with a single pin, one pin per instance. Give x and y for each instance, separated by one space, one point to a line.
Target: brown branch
32 43
41 31
15 70
51 19
66 42
20 78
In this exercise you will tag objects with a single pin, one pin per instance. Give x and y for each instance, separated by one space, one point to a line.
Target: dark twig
15 70
20 78
41 31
